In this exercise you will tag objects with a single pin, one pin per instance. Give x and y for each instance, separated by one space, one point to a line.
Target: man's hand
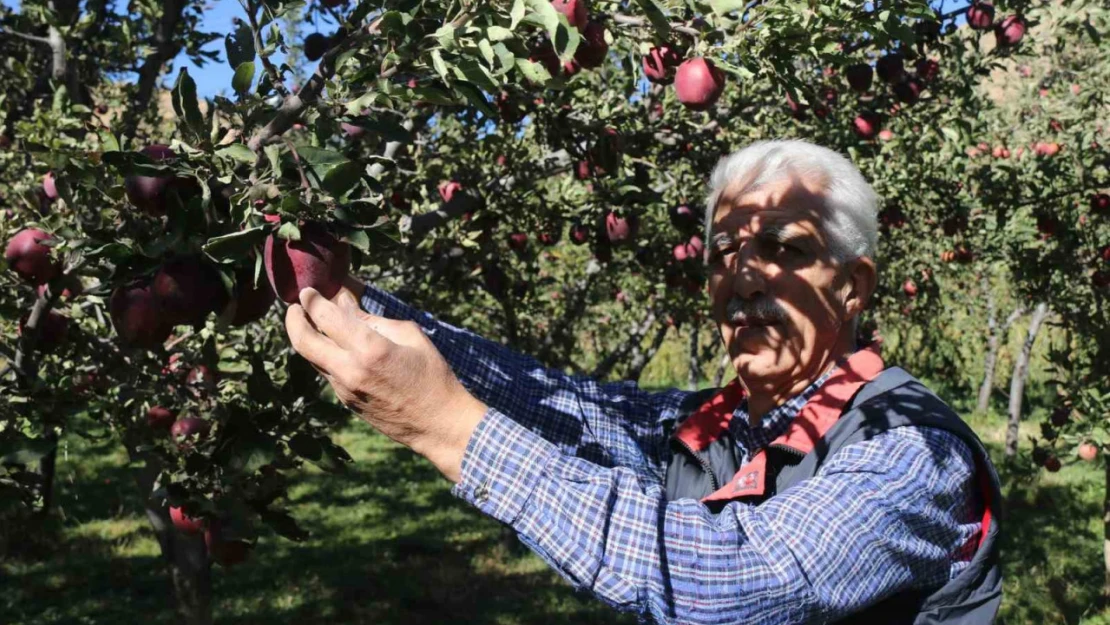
390 373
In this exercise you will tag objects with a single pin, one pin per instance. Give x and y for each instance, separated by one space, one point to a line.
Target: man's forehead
794 200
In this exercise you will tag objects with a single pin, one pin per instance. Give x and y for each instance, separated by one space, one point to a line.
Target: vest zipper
789 450
704 464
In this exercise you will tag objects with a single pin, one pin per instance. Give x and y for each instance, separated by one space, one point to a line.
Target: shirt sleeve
885 515
610 424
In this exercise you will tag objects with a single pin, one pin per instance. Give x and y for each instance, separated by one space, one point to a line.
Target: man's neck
762 401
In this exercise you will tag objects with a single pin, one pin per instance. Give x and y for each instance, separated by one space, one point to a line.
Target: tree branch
279 84
19 35
166 47
605 367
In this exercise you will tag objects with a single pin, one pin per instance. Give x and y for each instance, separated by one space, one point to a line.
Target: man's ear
861 280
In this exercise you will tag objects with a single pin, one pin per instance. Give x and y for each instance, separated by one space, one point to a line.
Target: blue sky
215 78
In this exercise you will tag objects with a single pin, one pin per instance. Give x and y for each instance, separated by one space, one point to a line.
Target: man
819 486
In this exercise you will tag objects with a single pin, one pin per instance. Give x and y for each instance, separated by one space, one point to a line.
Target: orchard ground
391 545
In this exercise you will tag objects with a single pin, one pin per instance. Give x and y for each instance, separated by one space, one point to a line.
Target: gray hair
851 216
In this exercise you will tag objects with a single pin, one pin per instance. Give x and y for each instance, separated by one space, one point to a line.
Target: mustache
761 311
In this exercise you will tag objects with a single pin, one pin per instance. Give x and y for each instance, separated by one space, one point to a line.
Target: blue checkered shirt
576 468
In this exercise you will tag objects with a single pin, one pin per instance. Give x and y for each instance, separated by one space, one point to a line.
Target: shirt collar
775 422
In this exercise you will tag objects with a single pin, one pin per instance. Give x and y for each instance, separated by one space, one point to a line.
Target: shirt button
481 494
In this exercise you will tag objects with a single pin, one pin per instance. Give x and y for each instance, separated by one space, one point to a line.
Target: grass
391 545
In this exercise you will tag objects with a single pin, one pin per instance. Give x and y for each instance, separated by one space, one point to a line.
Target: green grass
391 545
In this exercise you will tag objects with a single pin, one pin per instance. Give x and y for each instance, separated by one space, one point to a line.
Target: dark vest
894 398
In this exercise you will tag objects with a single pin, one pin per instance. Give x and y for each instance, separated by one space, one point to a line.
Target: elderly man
819 486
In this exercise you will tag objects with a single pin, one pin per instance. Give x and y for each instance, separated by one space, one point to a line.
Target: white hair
850 218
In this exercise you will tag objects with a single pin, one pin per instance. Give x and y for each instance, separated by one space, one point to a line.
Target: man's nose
749 281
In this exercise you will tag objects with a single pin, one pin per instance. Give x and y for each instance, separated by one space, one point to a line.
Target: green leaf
440 65
358 240
108 140
516 13
487 51
244 76
499 33
532 71
656 16
289 231
445 35
236 244
237 152
476 98
185 104
240 46
342 178
472 71
724 7
434 95
320 159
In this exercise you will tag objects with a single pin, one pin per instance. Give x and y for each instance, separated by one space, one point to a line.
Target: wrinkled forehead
795 199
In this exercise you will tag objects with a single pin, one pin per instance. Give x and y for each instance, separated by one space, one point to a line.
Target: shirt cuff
501 465
382 303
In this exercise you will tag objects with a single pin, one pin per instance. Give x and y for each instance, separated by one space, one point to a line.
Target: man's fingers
318 349
338 323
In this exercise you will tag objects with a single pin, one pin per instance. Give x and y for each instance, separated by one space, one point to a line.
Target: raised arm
612 424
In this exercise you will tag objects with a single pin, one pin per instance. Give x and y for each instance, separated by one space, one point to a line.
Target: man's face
778 296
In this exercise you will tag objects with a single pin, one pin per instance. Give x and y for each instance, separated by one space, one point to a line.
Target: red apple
354 131
252 299
575 10
797 111
1046 224
1104 254
518 241
49 186
866 125
909 287
545 55
189 288
1100 203
550 234
315 45
1088 451
318 260
53 329
659 64
185 523
1046 149
138 317
886 135
683 217
859 76
186 431
592 49
448 189
1052 464
29 258
148 193
159 418
927 69
890 68
1100 279
908 90
1010 31
222 549
579 234
698 84
690 250
619 229
980 16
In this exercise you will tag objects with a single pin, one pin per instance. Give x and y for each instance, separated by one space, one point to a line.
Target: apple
866 125
159 418
50 186
593 48
29 258
1100 203
252 299
890 68
1052 464
583 170
354 131
223 550
909 287
1088 451
908 90
797 111
189 288
859 76
1046 224
579 234
550 234
1046 149
1055 125
927 69
690 250
185 523
980 16
315 45
448 189
698 83
1010 31
545 55
67 293
1104 254
317 260
1100 279
619 229
185 431
138 317
683 217
53 329
518 241
575 10
886 135
148 193
659 64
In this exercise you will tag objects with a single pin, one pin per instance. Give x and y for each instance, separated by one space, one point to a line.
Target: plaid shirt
576 468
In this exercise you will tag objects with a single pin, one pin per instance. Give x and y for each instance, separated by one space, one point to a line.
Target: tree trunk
994 344
47 469
186 555
641 358
719 379
1017 381
695 368
1106 533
